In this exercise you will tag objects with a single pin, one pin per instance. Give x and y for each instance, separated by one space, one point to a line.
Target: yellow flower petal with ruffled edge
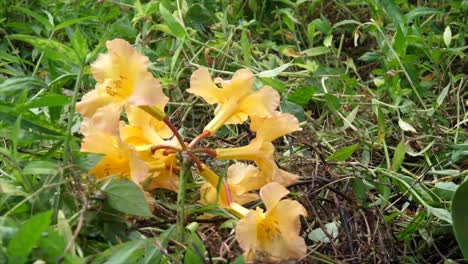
261 150
274 232
119 158
241 179
144 129
122 77
236 99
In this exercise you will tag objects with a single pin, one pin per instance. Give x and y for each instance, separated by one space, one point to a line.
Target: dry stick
83 212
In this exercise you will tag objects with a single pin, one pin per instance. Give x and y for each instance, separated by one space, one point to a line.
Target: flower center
118 87
267 229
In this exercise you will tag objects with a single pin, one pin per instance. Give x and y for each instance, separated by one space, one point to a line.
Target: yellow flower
144 129
261 150
274 233
122 78
163 173
236 99
120 159
241 178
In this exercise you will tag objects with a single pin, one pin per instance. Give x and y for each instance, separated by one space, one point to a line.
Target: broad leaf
460 217
125 196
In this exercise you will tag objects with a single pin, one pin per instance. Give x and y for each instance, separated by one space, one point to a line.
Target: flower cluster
145 148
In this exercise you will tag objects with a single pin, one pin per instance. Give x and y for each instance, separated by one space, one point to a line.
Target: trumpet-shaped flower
122 77
163 173
144 129
274 233
236 99
261 150
241 179
120 159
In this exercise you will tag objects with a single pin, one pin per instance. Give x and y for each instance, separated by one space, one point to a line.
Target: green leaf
174 26
293 108
42 167
27 237
442 95
198 14
54 50
393 12
79 44
421 11
195 251
239 260
317 51
44 21
16 85
398 156
447 36
72 22
400 42
460 217
36 124
332 102
343 154
48 100
125 196
303 95
275 71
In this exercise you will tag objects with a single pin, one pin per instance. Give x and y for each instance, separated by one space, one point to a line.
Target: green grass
378 86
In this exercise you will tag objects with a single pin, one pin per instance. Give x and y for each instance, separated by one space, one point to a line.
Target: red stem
228 192
199 137
175 131
158 147
207 151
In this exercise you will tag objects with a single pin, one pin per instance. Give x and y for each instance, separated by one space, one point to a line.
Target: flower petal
246 231
261 103
272 193
202 85
148 91
93 100
245 178
284 178
274 127
138 168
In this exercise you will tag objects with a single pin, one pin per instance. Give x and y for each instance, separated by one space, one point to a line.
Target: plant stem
71 115
175 131
185 173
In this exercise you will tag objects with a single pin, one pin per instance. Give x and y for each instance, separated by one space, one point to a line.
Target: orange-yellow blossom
261 150
236 100
144 129
274 233
241 178
101 137
123 78
163 172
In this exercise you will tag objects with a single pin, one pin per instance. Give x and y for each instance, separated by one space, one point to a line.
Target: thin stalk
71 115
175 131
185 174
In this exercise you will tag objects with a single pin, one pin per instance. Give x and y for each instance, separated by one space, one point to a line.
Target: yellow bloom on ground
274 233
261 150
122 77
241 178
236 99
